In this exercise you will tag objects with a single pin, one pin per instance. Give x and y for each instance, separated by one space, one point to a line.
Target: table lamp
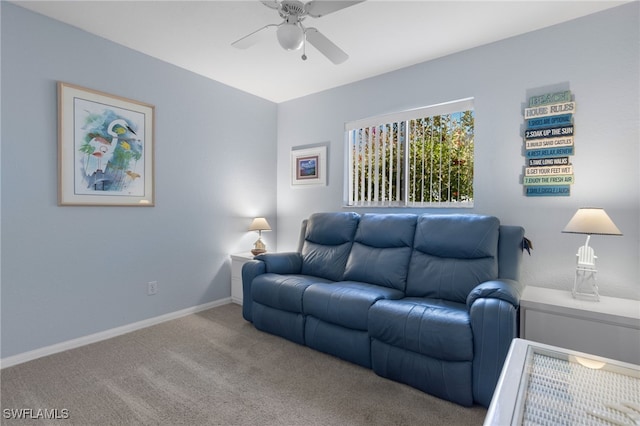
589 221
259 224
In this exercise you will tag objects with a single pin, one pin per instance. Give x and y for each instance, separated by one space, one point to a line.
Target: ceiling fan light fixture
290 36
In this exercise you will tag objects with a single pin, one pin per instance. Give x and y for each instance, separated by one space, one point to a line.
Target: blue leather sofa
428 300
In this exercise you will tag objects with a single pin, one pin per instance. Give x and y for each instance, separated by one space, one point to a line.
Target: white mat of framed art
309 166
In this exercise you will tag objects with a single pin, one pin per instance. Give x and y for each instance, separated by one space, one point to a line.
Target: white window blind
416 158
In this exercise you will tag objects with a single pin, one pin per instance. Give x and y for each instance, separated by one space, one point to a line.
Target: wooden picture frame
105 149
309 166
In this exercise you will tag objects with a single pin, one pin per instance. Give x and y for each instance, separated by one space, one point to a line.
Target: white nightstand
237 260
609 328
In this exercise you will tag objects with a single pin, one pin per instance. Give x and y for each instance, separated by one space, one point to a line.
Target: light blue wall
596 57
65 276
72 271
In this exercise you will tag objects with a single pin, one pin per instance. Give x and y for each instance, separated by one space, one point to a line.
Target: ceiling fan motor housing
291 8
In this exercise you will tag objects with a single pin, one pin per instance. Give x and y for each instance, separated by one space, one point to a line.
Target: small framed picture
309 166
105 149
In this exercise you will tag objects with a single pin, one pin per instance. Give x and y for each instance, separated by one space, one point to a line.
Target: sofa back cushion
382 249
452 254
327 243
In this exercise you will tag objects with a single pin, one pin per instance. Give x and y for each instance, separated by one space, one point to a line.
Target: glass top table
547 385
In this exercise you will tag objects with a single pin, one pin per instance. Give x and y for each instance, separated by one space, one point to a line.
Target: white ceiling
379 36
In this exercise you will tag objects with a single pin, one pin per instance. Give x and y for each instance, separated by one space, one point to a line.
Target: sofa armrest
503 289
494 323
493 311
250 270
275 263
281 263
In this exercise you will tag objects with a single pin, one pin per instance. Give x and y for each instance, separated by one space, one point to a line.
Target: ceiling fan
292 35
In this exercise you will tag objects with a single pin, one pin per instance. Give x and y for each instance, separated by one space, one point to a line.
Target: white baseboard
107 334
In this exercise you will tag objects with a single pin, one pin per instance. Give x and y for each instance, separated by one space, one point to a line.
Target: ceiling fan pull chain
304 44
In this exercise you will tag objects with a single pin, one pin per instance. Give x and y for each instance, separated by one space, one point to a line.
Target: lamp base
258 247
585 286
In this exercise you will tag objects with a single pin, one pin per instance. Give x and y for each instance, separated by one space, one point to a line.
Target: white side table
237 260
609 328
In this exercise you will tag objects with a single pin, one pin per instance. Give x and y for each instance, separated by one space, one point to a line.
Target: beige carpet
214 368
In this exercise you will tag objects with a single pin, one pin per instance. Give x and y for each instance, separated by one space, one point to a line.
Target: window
416 158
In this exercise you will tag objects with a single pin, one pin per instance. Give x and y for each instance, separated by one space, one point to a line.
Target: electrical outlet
152 288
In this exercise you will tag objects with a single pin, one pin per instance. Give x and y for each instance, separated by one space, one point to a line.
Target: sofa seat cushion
345 303
282 291
437 328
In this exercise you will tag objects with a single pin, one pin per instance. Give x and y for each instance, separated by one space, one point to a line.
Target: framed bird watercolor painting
105 149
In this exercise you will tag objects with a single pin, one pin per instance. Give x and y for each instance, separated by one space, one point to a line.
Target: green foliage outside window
441 158
437 169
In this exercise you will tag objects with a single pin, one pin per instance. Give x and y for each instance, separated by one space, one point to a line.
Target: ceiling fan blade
318 8
325 46
253 38
272 4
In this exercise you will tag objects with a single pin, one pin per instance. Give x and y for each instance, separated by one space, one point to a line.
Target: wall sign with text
549 145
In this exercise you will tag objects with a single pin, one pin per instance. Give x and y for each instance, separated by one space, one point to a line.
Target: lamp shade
290 36
592 221
259 224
